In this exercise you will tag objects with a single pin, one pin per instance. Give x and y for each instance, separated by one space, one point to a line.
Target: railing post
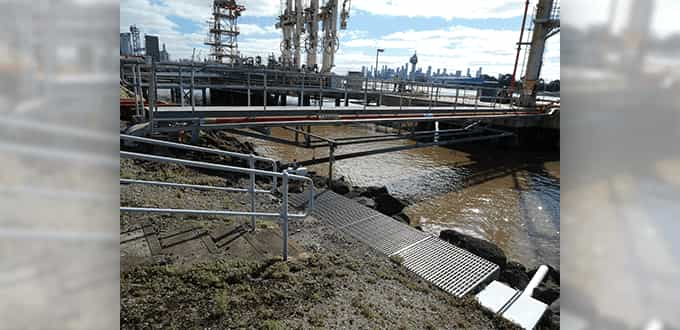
331 160
265 90
455 101
365 92
320 92
430 92
251 163
401 90
274 181
477 98
302 92
248 88
284 216
181 86
380 99
346 94
193 102
152 96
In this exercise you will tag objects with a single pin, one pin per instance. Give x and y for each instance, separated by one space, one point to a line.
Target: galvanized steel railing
285 176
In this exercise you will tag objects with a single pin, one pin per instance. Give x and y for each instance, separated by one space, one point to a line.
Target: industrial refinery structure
300 33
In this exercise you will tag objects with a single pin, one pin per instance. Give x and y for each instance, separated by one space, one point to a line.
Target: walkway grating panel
448 267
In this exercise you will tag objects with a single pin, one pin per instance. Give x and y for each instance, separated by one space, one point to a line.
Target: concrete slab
134 244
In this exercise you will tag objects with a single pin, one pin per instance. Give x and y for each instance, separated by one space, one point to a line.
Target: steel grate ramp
448 267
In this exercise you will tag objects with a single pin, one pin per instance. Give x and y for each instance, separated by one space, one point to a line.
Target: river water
511 198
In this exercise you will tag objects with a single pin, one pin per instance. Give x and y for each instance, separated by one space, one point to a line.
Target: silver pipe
190 186
285 215
193 148
207 212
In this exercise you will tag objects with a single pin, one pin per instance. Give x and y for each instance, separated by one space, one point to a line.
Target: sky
450 34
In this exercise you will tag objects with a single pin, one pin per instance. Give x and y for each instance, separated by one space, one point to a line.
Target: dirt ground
189 272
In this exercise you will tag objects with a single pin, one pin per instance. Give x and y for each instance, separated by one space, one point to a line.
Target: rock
419 227
340 186
388 205
402 217
355 192
479 247
551 318
365 201
549 289
372 192
515 275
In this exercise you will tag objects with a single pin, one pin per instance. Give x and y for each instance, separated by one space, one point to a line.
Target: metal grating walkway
450 268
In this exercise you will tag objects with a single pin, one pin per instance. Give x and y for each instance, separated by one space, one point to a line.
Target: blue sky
451 34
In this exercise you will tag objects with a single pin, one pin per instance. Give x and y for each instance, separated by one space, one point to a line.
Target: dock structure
448 267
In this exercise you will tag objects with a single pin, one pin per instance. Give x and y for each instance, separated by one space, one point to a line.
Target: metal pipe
248 88
265 91
192 148
190 186
251 163
207 212
519 49
285 215
193 102
535 281
227 168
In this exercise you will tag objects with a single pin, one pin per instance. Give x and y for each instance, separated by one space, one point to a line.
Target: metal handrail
205 150
284 215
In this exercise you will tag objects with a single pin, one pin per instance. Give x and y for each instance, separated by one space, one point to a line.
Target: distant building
165 57
429 71
459 73
126 44
152 49
468 73
478 74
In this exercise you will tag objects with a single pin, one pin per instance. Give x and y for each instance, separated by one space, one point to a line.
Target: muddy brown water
511 198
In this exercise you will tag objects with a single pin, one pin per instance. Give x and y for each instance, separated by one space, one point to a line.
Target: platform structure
448 267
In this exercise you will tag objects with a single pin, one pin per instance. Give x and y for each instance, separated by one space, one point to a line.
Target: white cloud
455 48
448 9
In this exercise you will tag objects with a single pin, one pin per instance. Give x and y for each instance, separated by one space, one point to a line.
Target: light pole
377 53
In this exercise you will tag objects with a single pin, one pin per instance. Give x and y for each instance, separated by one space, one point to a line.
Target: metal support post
265 91
284 215
251 163
331 159
302 92
430 92
380 99
455 101
181 87
477 98
346 94
134 82
365 92
320 93
152 95
401 90
248 88
193 101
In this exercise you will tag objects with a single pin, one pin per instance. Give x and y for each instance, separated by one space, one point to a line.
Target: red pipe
519 48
